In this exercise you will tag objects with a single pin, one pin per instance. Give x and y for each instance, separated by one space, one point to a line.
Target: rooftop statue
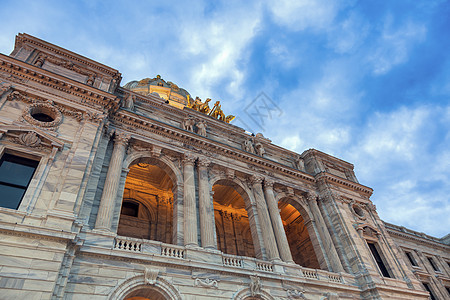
203 107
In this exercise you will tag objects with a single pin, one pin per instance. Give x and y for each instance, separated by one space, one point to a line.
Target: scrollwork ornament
189 159
150 275
268 183
255 179
206 282
296 294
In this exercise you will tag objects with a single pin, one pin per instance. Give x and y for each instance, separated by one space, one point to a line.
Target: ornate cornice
89 96
22 39
329 178
176 134
408 236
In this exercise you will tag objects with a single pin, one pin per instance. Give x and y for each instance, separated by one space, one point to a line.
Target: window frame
28 200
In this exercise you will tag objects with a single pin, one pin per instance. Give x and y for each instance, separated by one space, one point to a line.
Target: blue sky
366 81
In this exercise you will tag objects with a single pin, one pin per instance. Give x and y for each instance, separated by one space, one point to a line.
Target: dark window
378 259
15 175
433 264
428 288
130 209
411 258
448 289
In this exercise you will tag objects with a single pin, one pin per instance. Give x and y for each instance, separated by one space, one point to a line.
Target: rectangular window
15 175
428 288
378 259
448 290
411 259
432 263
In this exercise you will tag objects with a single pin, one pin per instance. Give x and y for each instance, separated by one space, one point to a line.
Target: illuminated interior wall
298 237
150 188
232 224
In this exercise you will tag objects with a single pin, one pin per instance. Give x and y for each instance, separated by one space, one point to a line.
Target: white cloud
394 45
348 35
301 14
217 44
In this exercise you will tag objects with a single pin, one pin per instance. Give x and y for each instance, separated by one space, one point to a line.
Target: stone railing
264 266
228 260
334 278
172 251
232 261
129 244
310 273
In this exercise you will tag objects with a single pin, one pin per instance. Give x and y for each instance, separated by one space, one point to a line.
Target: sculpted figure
229 118
259 149
204 107
201 128
299 163
188 124
128 103
248 146
197 104
255 285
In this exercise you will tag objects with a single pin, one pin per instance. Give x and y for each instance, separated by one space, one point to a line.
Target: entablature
19 73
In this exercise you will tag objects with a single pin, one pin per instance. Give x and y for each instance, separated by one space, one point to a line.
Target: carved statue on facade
259 149
188 124
201 128
128 103
248 146
299 164
255 285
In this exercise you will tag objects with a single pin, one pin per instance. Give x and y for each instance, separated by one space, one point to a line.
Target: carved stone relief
150 275
207 282
255 285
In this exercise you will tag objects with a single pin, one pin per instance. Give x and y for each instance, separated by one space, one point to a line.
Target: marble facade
203 209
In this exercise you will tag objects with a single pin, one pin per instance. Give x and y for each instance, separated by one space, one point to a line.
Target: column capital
255 179
189 159
310 196
122 138
203 162
268 183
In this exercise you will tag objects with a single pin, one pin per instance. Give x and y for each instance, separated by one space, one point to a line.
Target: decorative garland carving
207 282
45 108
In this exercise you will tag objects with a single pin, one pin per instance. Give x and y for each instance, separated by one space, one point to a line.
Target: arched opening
302 248
145 294
147 207
231 220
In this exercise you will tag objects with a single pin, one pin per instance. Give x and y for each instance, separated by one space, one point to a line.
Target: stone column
205 206
106 208
331 254
264 220
277 223
190 207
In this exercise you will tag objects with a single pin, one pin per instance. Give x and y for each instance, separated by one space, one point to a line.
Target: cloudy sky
366 81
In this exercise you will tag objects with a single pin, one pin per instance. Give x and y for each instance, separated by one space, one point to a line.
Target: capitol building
141 191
